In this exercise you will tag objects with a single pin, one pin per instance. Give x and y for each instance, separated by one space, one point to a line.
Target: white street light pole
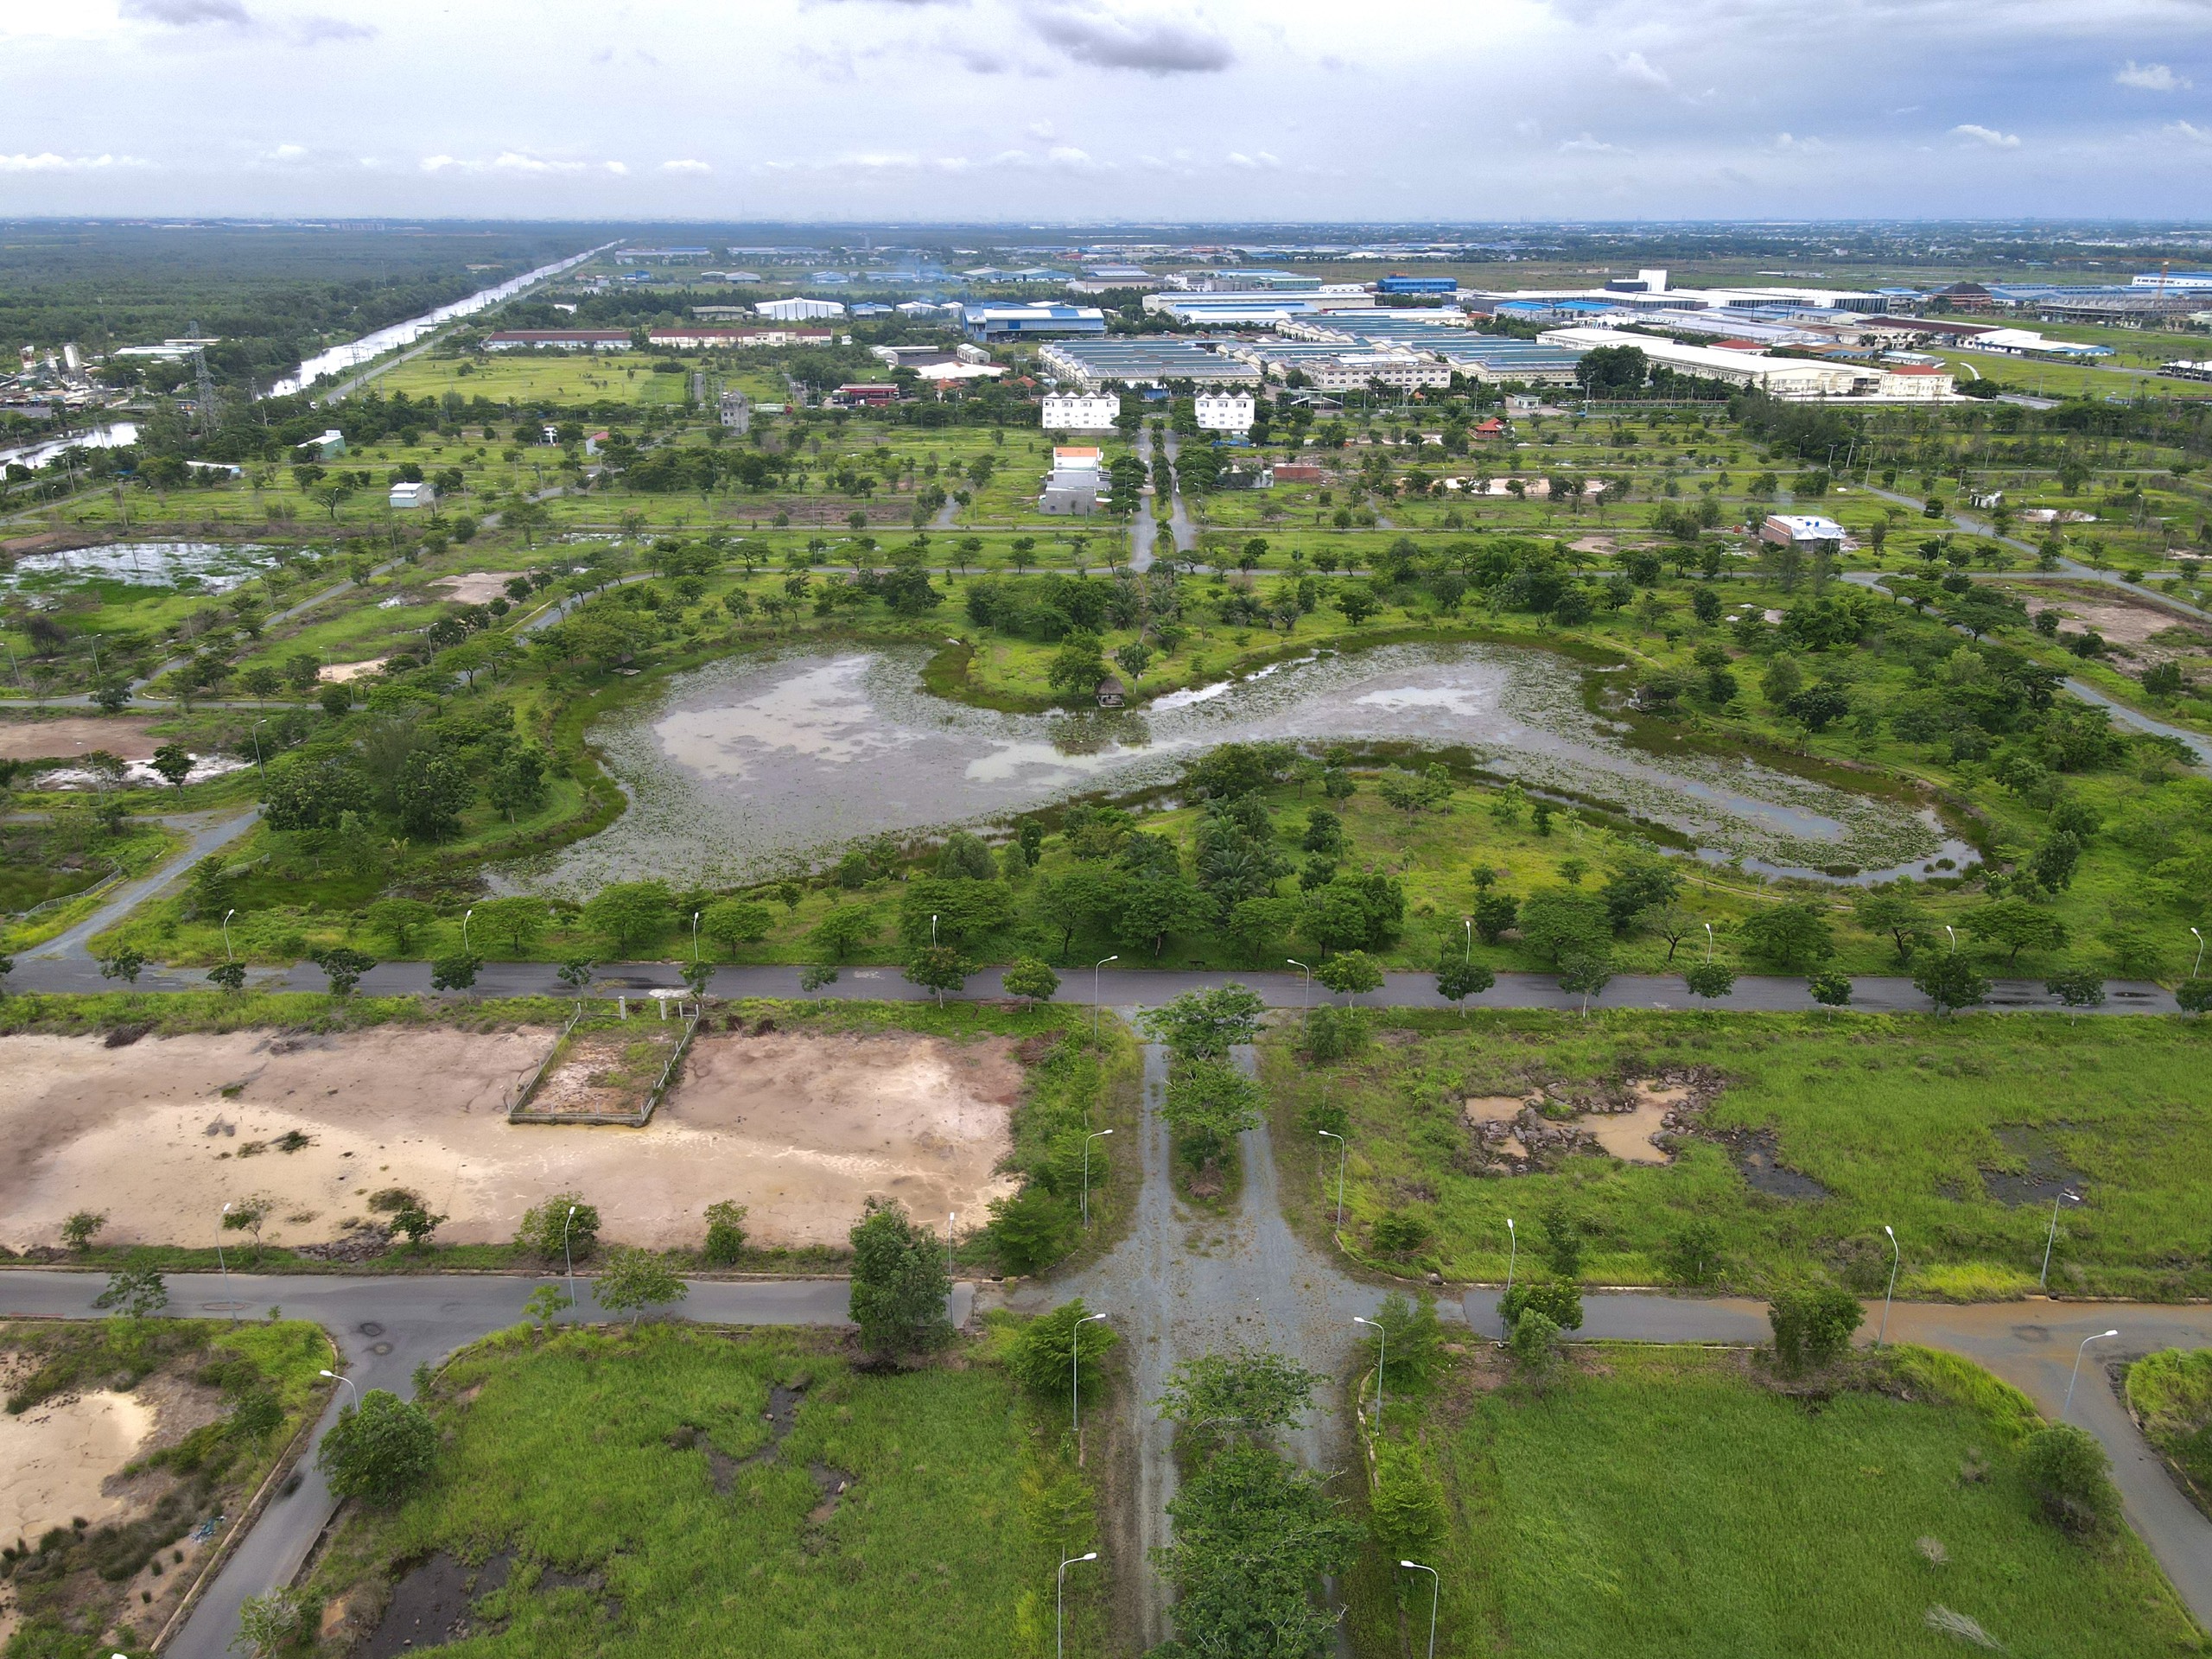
695 938
2043 1279
1896 1256
1087 1140
1094 966
1341 1149
1954 932
568 1261
227 914
1306 1000
346 1381
1059 1596
1512 1249
932 929
1382 1358
2076 1377
1708 941
224 1265
2198 966
1075 1373
1436 1595
464 915
1470 922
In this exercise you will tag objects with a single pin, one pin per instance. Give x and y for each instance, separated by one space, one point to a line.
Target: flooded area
196 567
745 767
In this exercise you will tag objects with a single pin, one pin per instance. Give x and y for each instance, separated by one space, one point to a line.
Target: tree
227 976
1411 1343
725 1245
733 922
1559 1301
343 966
124 963
1349 973
1794 934
1216 1397
2067 1470
1034 1228
939 968
414 1221
1050 1354
2194 995
1586 971
576 972
1206 1024
633 1280
518 919
1494 914
79 1231
380 1452
844 930
1031 980
2014 924
174 762
1813 1324
1408 1508
1949 981
552 1234
1534 1340
250 1215
136 1292
1640 887
899 1282
2077 988
269 1625
455 971
1458 979
1558 921
1893 910
1830 990
629 913
1208 1103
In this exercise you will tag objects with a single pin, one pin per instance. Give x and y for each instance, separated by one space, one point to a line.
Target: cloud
1585 146
1973 133
1089 34
48 161
1257 159
2151 78
685 165
1638 70
2189 130
1786 141
314 29
287 153
521 163
186 14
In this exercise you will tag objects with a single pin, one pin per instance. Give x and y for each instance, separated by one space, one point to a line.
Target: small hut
1111 692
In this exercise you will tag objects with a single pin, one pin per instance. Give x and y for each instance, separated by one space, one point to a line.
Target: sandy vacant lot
67 738
2120 620
476 587
802 1129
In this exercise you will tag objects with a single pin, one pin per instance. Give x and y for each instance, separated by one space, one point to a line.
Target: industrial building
1779 376
1494 360
1800 529
1081 412
798 308
1077 481
1223 411
1396 282
695 338
1031 321
1148 360
558 339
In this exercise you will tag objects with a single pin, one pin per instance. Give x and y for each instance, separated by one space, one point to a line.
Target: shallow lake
200 567
745 766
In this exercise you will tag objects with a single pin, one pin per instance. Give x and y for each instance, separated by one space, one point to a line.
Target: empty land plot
1664 1502
802 1129
72 736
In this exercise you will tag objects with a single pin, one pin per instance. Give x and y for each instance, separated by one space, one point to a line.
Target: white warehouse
799 309
1224 412
1083 412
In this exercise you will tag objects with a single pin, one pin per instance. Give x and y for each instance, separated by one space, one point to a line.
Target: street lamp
2198 966
1470 923
229 1301
464 915
254 732
1075 1373
1896 1256
1435 1595
227 914
1954 932
1512 1249
2076 1377
1342 1148
1308 999
1087 1140
1382 1358
1094 966
567 1259
345 1382
2043 1279
695 938
1708 941
932 929
1060 1595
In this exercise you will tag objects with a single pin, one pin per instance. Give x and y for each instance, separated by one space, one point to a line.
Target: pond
197 567
743 766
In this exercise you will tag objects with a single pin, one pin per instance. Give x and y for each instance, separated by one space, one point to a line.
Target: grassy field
1667 1502
2170 1393
1906 1122
650 1506
537 376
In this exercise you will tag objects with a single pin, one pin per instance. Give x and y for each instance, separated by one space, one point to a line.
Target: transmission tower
207 385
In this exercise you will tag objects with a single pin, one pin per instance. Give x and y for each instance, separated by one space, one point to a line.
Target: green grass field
1667 1504
643 1460
1896 1117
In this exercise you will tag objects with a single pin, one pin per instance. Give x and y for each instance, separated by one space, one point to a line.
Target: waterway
742 767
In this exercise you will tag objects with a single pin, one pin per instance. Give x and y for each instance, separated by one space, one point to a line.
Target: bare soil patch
58 1460
346 673
74 735
607 1073
475 587
801 1129
2144 631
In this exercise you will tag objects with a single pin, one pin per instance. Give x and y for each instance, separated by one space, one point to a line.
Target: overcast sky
1056 110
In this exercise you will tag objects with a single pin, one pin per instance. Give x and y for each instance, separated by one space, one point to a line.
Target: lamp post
1896 1256
2076 1377
2198 966
933 928
1342 1148
254 731
1512 1249
568 1261
1382 1358
1306 1000
228 1302
1708 941
464 915
227 914
2043 1279
1075 1374
345 1382
1435 1595
695 938
1060 1595
1470 923
1954 932
1094 966
1087 1140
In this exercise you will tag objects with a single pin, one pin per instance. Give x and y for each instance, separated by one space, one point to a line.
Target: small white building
798 308
1224 412
1800 529
736 410
328 446
1083 412
413 495
1077 482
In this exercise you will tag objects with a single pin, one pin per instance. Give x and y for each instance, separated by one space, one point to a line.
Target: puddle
1627 1136
429 1607
833 1485
1479 1109
745 765
1758 1155
2046 1177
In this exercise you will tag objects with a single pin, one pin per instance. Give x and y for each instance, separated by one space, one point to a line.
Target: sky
1063 110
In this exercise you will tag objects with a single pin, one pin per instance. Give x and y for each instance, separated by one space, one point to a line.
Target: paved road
384 1327
67 955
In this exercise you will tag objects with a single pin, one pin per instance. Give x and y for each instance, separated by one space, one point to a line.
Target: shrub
1408 1511
1400 1232
1031 1230
1692 1255
725 1245
380 1452
1336 1033
1813 1324
2065 1468
1042 1356
1535 1341
1560 1302
634 1279
899 1282
542 1227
